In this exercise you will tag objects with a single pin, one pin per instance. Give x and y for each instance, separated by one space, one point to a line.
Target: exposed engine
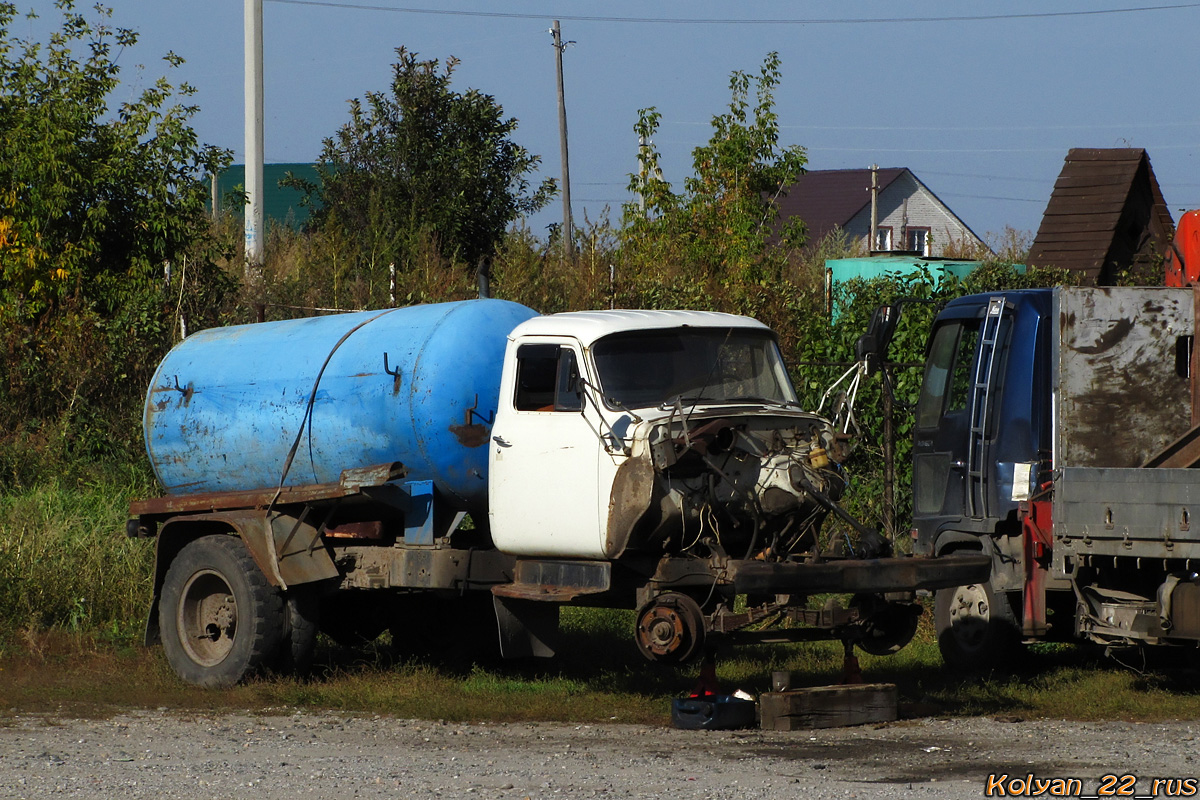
747 487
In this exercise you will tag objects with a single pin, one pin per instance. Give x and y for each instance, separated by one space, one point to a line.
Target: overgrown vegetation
422 167
101 211
106 256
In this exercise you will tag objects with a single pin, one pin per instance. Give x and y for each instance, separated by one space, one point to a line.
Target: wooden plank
1113 192
1096 247
1102 172
1070 216
1083 221
828 707
1083 205
1072 237
1105 154
1101 177
1066 258
1064 262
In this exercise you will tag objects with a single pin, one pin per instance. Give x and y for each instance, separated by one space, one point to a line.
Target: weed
65 561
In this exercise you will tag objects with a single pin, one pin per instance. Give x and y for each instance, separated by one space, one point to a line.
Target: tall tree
725 217
97 199
92 194
424 160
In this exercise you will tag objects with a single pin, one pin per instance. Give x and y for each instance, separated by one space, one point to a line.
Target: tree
725 219
91 196
97 200
424 161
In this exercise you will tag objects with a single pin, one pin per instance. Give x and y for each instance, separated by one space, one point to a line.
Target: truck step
556 581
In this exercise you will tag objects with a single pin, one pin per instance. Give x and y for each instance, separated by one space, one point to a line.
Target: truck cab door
543 483
955 417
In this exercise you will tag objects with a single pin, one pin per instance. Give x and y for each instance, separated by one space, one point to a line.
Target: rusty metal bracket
471 413
186 391
395 373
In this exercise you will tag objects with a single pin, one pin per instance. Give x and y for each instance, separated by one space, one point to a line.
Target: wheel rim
207 618
670 629
970 616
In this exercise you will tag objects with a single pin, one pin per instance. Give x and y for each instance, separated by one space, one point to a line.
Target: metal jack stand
851 673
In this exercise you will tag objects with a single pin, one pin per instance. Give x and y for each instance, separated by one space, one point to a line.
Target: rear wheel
976 627
220 619
301 621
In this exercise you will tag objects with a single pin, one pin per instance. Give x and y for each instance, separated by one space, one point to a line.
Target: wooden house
1106 216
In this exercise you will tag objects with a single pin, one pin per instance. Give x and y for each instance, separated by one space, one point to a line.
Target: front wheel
220 619
670 629
976 627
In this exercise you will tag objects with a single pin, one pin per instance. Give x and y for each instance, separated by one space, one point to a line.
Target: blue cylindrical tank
226 404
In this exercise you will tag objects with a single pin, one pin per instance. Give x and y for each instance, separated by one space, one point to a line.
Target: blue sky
983 111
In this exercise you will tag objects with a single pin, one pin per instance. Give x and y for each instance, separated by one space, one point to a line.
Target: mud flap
528 628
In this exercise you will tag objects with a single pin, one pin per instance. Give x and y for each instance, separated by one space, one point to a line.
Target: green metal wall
280 206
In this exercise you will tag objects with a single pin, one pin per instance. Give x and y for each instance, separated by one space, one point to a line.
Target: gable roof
829 198
1106 210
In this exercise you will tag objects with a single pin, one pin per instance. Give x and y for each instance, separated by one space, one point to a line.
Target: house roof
830 198
1105 209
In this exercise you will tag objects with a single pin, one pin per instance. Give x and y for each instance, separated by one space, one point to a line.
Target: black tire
886 627
220 619
301 622
976 628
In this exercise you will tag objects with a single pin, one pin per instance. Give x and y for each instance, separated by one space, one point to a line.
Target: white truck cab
689 412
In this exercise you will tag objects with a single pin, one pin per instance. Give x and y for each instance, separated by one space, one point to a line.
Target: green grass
74 591
65 561
598 677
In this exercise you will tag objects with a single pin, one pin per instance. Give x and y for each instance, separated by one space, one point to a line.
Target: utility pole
216 197
873 237
254 138
568 238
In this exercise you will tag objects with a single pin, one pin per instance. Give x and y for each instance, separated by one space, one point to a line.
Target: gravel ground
164 754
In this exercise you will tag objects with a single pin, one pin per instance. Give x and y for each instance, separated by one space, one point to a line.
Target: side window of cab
946 388
547 379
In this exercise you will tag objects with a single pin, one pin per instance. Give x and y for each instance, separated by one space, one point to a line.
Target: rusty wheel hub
670 628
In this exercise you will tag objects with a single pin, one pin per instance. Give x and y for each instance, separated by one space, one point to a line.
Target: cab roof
588 326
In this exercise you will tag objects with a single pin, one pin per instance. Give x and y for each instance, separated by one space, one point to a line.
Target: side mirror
873 345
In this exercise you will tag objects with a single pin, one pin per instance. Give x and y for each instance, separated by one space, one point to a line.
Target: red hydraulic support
1182 263
1037 530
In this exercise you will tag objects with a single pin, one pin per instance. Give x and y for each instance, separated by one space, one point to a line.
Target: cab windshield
641 369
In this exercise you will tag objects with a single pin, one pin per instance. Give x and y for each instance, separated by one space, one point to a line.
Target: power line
943 150
987 177
726 21
991 197
967 128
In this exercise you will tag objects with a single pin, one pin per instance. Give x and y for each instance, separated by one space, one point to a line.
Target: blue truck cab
984 407
1056 432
